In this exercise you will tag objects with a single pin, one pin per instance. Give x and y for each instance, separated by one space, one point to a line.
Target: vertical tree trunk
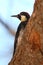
30 52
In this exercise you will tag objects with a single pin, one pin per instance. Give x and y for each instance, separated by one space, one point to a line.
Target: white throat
23 18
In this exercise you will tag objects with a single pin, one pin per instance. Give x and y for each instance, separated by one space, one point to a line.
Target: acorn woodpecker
23 17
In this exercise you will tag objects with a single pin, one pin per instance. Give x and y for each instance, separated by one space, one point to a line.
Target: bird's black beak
17 16
14 16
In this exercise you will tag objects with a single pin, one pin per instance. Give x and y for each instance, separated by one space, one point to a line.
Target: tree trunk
30 52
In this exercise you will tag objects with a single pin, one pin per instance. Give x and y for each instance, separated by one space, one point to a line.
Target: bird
23 17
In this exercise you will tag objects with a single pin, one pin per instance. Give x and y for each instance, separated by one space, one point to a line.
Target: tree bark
30 52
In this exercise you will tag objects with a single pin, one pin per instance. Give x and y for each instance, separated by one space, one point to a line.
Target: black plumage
20 28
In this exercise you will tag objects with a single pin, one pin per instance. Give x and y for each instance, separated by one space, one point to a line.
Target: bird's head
23 16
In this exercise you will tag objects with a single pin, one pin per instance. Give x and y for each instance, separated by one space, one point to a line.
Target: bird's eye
19 16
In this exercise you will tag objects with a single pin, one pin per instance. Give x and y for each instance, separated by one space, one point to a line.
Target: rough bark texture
30 52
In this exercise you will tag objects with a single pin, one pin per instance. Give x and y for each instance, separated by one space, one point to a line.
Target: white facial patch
23 18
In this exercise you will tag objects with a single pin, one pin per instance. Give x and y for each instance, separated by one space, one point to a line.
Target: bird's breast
20 37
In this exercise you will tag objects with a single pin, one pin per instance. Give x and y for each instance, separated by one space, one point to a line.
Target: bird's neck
23 21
